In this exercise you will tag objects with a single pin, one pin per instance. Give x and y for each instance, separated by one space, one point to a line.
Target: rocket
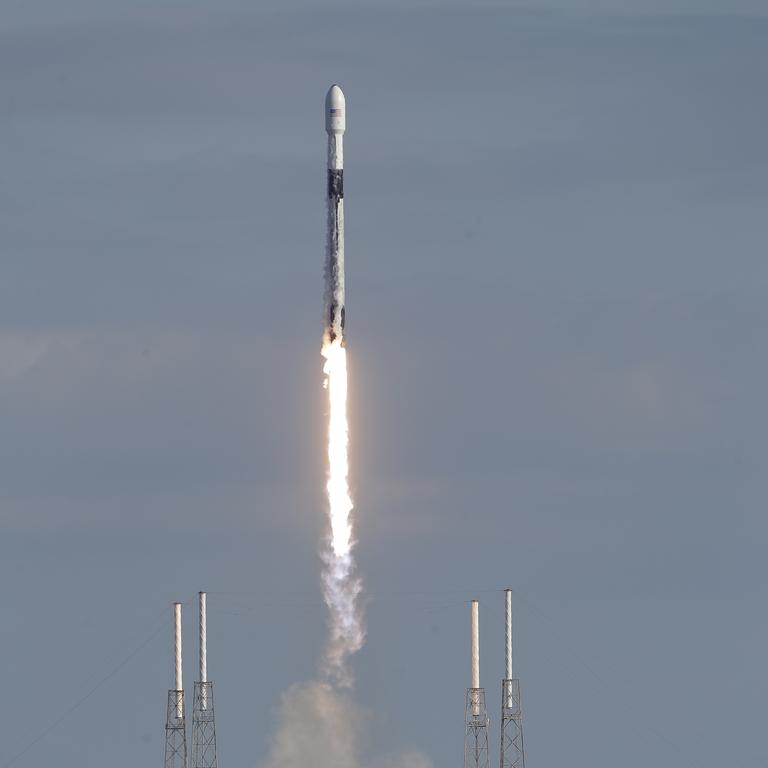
335 125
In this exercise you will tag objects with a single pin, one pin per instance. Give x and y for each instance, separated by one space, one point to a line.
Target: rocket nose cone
335 96
335 110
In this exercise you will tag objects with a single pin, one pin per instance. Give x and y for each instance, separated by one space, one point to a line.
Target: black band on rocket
336 183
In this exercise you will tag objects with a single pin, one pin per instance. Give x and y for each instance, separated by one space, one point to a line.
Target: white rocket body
335 125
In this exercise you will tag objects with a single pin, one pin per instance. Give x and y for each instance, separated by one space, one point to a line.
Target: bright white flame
339 500
341 586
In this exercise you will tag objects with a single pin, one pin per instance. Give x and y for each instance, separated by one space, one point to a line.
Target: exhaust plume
341 586
324 727
314 729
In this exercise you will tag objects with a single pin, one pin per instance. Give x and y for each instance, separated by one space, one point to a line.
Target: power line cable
79 702
617 696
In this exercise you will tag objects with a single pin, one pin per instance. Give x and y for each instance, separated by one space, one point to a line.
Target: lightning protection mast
203 720
512 754
476 716
175 723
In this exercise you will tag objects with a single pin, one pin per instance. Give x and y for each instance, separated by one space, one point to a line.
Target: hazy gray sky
557 284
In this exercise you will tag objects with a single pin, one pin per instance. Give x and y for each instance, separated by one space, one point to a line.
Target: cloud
22 352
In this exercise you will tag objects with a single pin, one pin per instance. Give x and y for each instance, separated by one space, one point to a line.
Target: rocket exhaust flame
341 587
339 500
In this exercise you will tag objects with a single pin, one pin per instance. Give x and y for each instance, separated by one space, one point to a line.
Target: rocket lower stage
335 125
334 271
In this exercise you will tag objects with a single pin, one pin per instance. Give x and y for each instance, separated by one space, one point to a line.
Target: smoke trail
323 727
318 726
341 586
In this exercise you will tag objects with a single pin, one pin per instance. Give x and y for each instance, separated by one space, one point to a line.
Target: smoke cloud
323 727
318 726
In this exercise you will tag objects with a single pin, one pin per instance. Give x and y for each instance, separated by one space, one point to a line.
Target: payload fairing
335 125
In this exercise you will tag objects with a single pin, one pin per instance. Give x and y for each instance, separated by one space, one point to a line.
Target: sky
556 314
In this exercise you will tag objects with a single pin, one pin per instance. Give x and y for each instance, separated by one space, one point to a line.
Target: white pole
475 658
508 697
203 651
475 646
177 652
508 635
203 639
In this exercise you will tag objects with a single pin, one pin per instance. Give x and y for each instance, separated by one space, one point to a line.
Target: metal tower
203 720
175 723
475 716
512 753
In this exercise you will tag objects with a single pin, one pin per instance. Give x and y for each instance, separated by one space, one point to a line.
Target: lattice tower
175 722
475 715
512 754
203 719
